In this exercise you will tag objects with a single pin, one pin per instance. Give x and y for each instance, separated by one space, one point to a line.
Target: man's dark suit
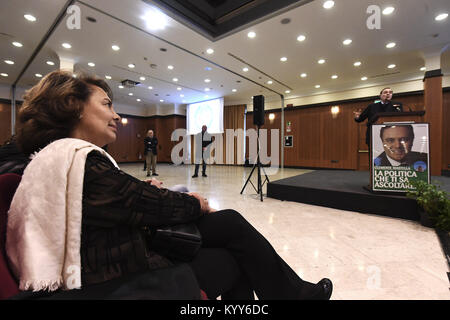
374 108
411 158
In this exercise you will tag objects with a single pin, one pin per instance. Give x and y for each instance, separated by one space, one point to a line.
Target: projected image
209 113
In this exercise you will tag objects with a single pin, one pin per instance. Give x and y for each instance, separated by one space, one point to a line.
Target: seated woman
77 220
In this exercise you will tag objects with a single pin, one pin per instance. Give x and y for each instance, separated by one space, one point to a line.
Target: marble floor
368 257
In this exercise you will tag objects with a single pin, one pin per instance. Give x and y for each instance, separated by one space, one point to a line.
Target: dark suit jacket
411 158
150 144
374 108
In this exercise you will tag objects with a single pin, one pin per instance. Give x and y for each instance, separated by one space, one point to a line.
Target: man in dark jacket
203 138
150 152
385 105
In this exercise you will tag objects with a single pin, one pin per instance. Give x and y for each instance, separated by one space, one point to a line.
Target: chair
8 186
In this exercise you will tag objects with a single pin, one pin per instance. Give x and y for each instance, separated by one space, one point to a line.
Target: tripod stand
257 164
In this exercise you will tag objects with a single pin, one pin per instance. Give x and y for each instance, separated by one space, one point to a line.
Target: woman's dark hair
52 108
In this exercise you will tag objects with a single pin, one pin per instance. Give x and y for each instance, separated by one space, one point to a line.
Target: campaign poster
400 155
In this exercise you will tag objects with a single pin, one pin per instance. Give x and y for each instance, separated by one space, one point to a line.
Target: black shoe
148 174
326 288
194 176
204 175
155 174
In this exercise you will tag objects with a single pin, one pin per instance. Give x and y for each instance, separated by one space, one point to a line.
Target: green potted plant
434 205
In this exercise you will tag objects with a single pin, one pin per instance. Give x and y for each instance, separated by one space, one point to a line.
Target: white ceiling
412 27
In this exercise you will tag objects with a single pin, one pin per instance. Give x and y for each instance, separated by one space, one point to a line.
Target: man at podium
385 105
397 144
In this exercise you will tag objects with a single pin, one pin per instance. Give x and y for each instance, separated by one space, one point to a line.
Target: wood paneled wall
129 146
233 118
324 140
446 131
5 122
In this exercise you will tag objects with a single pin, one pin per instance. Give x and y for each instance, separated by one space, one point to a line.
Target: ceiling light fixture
245 69
301 38
108 77
17 44
38 75
234 90
131 65
388 10
357 63
321 61
9 62
269 82
121 87
346 42
91 64
161 100
328 4
334 76
287 91
142 78
207 80
391 45
441 16
179 89
150 88
209 51
3 74
175 79
181 95
30 17
138 100
364 78
423 69
130 94
66 45
283 59
391 66
317 86
303 75
170 67
155 19
115 47
50 63
251 34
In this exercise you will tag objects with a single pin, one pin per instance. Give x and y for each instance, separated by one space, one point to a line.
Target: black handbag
180 241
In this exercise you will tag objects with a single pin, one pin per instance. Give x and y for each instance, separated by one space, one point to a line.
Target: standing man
204 142
385 105
150 151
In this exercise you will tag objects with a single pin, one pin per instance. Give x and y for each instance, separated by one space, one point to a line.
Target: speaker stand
257 165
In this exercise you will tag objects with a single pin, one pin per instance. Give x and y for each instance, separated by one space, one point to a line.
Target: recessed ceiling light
209 51
251 34
115 47
283 59
175 79
388 10
179 89
131 65
17 44
301 38
207 89
9 62
91 64
50 63
120 87
303 75
423 69
234 90
170 67
245 69
138 100
317 86
334 76
66 45
441 16
38 75
3 74
181 95
328 4
346 42
269 82
364 78
155 19
142 78
321 61
287 91
108 77
130 94
207 80
161 100
30 17
208 68
391 66
391 45
150 88
357 63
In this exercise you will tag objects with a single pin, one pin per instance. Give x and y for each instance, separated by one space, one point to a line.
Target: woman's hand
155 182
204 205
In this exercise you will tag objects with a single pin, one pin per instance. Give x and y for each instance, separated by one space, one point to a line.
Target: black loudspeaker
258 110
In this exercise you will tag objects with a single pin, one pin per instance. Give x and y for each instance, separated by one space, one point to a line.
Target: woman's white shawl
44 221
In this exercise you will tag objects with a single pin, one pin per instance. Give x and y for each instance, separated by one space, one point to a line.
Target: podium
383 172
